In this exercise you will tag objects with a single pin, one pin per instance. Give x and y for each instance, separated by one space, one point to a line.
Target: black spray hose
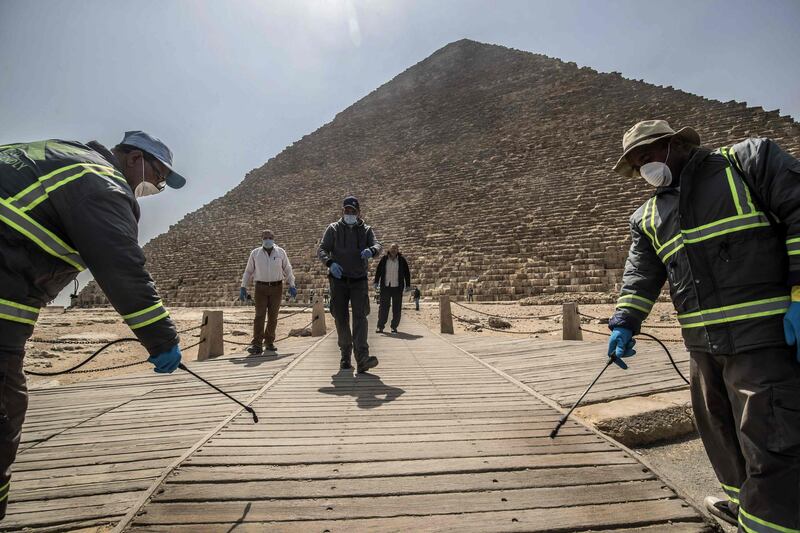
564 418
246 407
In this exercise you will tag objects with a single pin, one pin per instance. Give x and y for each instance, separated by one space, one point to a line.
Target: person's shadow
403 335
250 361
368 389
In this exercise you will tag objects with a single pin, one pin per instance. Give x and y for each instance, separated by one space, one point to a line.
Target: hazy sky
228 84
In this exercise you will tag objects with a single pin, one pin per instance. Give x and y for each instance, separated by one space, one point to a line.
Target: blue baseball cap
155 147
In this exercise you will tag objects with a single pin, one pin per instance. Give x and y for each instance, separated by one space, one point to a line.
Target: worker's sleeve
326 246
103 228
373 244
287 270
249 270
642 280
775 175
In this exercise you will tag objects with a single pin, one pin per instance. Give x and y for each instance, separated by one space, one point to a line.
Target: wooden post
445 315
571 323
318 328
211 331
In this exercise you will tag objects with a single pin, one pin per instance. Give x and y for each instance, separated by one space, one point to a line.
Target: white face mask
657 173
350 219
145 188
268 243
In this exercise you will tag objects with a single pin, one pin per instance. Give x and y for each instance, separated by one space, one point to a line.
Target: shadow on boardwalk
368 389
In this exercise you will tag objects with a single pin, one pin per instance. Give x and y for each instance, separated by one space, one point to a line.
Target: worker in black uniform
66 207
723 227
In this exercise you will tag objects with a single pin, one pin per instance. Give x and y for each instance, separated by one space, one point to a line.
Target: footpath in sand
436 440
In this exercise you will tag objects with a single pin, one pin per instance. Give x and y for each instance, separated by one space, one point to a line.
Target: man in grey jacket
347 246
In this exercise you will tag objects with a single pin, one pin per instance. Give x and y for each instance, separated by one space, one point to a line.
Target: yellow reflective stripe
644 222
671 253
100 169
165 314
637 297
653 223
735 306
746 310
760 521
725 232
70 256
634 306
143 311
793 240
19 306
51 188
734 193
735 318
731 492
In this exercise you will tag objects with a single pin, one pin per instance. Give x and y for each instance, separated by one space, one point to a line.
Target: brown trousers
268 303
747 408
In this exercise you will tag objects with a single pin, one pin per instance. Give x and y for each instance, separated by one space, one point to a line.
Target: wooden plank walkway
561 370
436 441
89 450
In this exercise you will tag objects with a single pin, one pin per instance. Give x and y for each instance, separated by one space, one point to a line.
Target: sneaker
722 509
271 348
344 364
379 330
394 330
254 349
369 362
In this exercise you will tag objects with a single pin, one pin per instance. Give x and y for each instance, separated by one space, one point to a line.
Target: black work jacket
727 240
66 208
403 272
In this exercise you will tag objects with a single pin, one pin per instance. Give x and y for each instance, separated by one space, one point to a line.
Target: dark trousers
13 400
416 303
747 408
395 296
268 303
346 293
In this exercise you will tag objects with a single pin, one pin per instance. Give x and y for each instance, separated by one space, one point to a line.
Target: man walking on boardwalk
392 278
724 228
270 267
346 248
65 207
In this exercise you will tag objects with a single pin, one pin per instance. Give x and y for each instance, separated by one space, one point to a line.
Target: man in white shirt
392 278
270 267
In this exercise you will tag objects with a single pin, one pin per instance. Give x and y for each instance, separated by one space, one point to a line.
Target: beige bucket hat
648 132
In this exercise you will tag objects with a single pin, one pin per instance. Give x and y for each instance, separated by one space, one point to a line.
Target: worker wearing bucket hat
723 227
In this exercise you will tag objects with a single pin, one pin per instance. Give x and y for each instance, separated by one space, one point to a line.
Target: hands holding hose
620 345
166 362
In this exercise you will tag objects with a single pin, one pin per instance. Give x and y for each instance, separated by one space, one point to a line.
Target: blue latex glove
791 327
366 253
292 292
620 345
166 362
336 270
242 294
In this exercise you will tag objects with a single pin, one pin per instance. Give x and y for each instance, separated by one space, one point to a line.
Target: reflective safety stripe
636 302
4 490
145 317
44 238
732 313
17 312
754 524
793 246
670 247
739 191
731 492
37 192
724 226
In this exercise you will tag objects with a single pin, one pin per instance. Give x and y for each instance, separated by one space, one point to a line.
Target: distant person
67 207
270 267
346 247
416 295
470 292
392 278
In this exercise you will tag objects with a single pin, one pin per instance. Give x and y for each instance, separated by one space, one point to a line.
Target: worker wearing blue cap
66 207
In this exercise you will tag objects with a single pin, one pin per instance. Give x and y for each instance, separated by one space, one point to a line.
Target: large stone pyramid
488 165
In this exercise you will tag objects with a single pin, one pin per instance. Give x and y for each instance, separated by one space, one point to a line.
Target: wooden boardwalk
436 441
561 370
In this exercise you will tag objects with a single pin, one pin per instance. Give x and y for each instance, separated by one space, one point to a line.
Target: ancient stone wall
489 166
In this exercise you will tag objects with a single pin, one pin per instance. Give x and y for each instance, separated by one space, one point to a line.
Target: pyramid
488 166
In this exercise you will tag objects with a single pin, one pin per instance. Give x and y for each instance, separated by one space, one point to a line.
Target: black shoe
369 362
344 364
722 509
271 348
394 330
379 330
254 349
